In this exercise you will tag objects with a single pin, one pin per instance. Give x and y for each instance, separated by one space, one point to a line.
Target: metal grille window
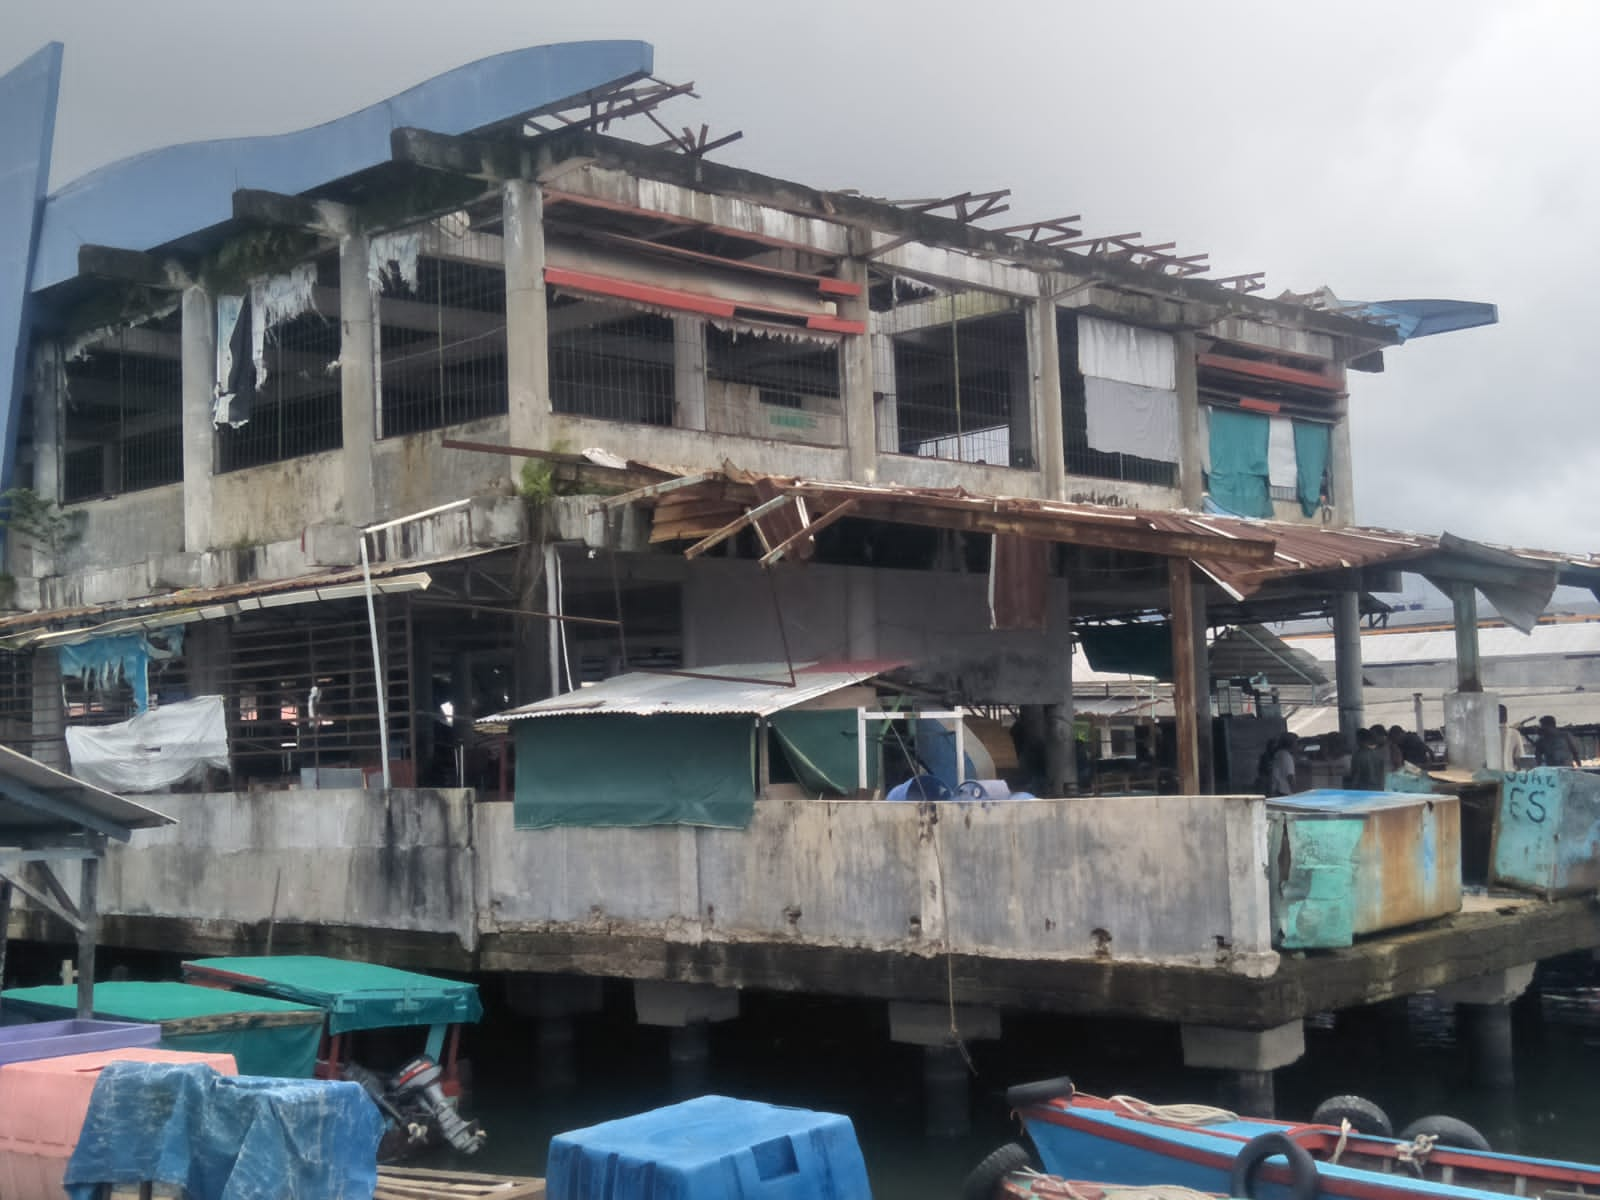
778 385
19 715
122 428
442 322
1083 459
615 362
297 408
954 371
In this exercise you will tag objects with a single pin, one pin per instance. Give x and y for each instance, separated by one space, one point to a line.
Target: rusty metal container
1547 831
1344 863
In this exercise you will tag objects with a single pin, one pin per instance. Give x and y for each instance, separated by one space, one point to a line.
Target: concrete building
456 403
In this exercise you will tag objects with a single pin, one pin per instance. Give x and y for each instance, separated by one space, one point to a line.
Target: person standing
1554 747
1367 766
1512 747
1281 780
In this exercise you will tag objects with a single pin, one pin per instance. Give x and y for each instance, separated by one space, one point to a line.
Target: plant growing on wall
38 521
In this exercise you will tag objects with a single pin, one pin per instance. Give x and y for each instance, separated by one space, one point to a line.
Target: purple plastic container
52 1039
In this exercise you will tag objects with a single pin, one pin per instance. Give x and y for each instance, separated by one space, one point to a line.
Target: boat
1123 1141
374 1018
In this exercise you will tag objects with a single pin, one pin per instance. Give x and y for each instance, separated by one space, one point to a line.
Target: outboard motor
418 1081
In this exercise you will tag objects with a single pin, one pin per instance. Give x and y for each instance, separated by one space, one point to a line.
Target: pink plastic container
42 1106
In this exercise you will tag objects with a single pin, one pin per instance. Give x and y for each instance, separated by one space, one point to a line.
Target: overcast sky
1387 150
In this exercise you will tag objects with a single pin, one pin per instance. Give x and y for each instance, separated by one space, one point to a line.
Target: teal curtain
1238 471
609 769
1138 648
820 747
287 1051
1310 461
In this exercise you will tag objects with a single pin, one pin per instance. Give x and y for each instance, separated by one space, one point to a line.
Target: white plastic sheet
1127 419
1128 354
1282 468
154 751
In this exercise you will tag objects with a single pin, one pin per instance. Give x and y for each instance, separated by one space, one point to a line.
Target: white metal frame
864 715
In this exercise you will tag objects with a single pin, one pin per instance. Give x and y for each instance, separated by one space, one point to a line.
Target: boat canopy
355 995
265 1035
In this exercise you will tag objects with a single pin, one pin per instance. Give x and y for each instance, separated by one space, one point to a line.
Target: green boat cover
266 1036
355 995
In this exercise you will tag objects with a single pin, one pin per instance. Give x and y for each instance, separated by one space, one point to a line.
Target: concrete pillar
1249 1055
197 351
1341 472
1464 616
1472 730
46 387
689 372
861 612
885 393
1483 1009
946 1076
552 1001
686 1010
1205 758
1347 663
527 322
1045 346
358 376
689 1059
855 371
1191 470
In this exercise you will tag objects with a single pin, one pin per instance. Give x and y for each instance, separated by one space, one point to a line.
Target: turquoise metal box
1547 831
1343 864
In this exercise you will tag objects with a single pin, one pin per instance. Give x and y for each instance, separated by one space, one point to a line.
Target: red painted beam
1276 372
640 293
1266 406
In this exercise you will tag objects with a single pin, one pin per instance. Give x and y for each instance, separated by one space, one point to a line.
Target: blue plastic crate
711 1148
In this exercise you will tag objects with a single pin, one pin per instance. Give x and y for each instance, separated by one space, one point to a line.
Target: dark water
837 1056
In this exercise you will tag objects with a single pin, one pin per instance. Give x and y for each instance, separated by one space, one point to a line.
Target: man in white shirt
1512 747
1281 781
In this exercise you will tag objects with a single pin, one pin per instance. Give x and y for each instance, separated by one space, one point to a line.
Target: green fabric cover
1310 461
1238 471
613 769
355 995
286 1051
821 748
1139 648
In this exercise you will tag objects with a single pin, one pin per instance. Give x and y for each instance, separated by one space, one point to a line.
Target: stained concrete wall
125 529
937 619
404 861
275 502
1171 879
414 472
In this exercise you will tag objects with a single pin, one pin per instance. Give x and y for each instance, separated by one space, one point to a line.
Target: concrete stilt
551 1002
946 1092
1249 1056
1488 1036
689 1056
1250 1093
687 1010
558 1054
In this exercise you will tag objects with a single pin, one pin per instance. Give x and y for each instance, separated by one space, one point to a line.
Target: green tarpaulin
613 769
1238 475
820 747
266 1036
1140 648
1310 461
355 995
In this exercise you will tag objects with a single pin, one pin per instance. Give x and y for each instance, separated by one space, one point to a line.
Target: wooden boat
1123 1142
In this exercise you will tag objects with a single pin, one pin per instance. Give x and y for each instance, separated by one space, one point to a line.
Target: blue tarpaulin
1238 473
226 1138
103 662
1310 462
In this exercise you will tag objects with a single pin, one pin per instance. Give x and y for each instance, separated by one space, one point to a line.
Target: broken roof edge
43 790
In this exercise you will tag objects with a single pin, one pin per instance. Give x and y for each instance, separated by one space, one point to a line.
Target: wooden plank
425 1183
657 489
1184 681
835 513
732 527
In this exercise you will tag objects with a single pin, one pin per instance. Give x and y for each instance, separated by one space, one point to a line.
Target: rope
1177 1114
1344 1139
1415 1154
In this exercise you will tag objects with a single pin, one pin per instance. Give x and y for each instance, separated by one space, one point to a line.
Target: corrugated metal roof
1439 645
756 689
36 799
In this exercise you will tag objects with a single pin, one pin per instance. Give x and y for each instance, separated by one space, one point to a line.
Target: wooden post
1184 675
89 910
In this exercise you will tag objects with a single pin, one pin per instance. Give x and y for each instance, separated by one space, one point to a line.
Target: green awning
355 995
820 747
265 1035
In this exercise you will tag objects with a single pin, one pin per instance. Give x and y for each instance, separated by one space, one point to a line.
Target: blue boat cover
226 1138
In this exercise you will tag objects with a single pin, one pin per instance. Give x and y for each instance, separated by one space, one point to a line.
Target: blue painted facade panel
27 129
156 197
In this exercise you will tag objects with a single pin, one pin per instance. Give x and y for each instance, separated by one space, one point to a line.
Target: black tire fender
1246 1166
983 1183
1364 1116
1025 1095
1446 1131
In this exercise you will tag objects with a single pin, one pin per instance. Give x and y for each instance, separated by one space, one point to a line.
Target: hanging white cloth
155 750
1124 418
1128 354
1282 470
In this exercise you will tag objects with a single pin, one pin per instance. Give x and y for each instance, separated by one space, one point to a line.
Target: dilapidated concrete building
460 401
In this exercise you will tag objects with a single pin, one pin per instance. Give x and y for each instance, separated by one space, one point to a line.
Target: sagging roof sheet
754 689
36 799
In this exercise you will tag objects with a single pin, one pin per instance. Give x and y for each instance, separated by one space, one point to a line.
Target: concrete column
1464 615
686 1010
1483 1010
552 1001
46 387
198 350
946 1077
885 394
1191 470
689 372
1341 471
358 378
1205 759
855 372
527 323
1045 346
1347 663
1249 1055
861 612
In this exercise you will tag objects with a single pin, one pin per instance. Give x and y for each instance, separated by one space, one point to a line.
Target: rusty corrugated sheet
1019 582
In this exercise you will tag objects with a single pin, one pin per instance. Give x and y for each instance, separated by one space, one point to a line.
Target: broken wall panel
440 289
122 412
285 401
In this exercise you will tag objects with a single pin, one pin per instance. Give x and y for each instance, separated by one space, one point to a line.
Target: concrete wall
692 448
125 529
1171 879
275 502
404 862
937 619
914 471
413 473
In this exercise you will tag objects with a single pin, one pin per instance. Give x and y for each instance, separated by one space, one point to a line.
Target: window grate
123 412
